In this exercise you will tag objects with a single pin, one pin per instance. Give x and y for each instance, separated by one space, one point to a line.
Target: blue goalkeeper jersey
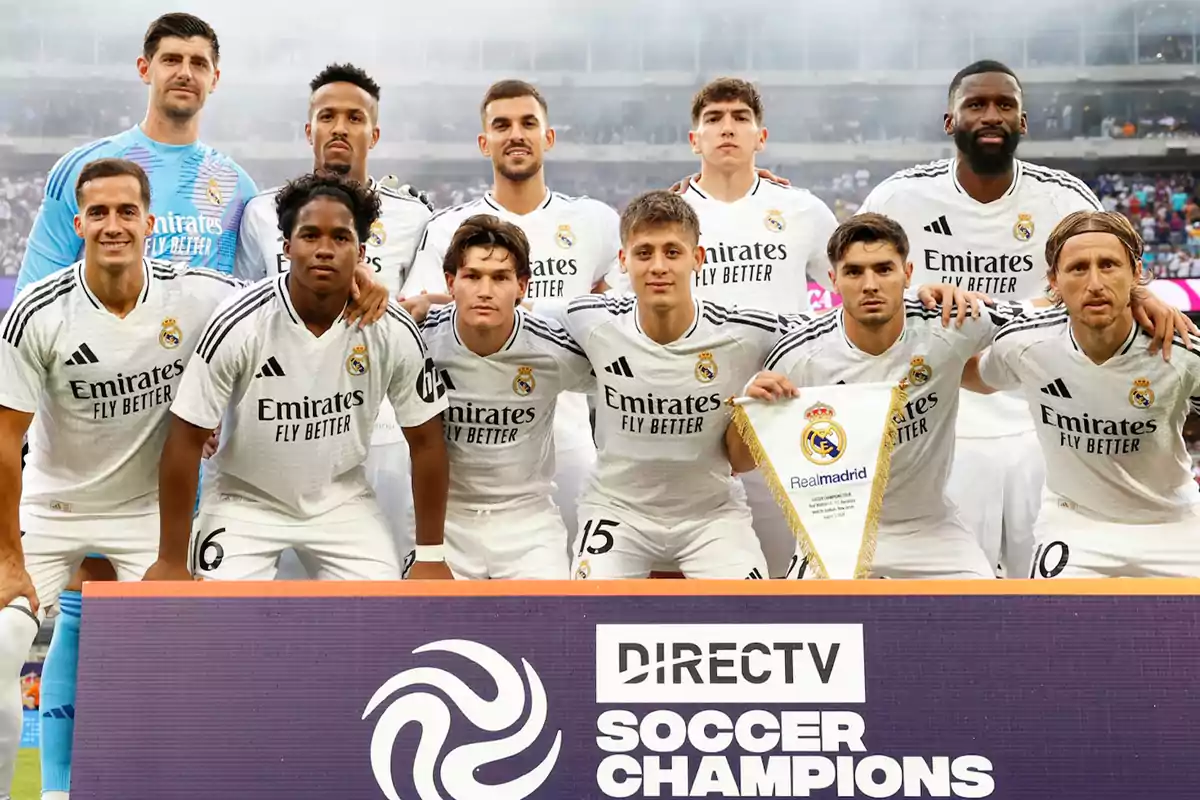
196 195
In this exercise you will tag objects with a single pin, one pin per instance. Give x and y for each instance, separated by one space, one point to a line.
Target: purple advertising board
1008 689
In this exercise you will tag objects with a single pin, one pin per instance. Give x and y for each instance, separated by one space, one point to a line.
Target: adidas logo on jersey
619 367
939 226
1057 389
270 369
82 355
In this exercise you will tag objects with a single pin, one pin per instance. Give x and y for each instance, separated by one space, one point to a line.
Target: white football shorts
1070 544
516 542
615 542
242 540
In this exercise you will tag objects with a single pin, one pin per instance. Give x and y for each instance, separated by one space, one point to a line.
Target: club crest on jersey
170 336
378 235
918 371
823 440
1023 228
214 192
523 384
1141 395
358 363
583 571
564 237
706 368
774 222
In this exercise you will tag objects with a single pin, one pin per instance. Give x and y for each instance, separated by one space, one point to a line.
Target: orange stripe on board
657 588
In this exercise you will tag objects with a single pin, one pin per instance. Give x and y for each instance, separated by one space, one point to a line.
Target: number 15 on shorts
597 537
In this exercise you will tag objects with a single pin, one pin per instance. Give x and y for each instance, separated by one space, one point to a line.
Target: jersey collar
285 298
637 321
1125 348
841 324
518 323
491 201
1018 171
81 279
693 187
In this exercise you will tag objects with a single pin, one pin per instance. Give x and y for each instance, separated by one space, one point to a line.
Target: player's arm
249 261
53 243
22 380
418 397
1162 321
204 393
824 223
425 274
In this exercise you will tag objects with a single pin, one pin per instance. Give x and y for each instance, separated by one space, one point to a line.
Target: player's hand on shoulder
168 571
955 301
681 186
1162 321
770 386
419 305
15 581
368 298
211 445
393 183
429 571
767 175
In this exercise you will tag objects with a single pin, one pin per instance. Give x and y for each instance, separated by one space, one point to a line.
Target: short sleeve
210 377
249 263
608 262
823 225
426 274
23 367
416 390
995 368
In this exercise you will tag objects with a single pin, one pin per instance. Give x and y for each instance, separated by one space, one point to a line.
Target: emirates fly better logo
457 768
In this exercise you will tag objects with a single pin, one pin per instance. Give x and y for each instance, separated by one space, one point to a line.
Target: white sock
55 796
18 628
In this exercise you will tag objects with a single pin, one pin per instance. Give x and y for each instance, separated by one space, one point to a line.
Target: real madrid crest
564 237
774 222
1141 395
583 570
823 440
706 368
378 235
170 336
214 192
358 363
918 371
1023 228
523 384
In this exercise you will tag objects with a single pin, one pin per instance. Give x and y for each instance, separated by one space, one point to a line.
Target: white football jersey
998 248
660 409
573 244
99 386
297 410
931 356
1112 433
390 249
760 250
499 426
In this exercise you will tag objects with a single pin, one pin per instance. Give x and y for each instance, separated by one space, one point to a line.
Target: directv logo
729 664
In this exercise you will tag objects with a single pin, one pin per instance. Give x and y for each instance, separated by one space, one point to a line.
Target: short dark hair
362 201
486 230
658 209
979 68
1079 222
112 168
867 228
346 73
726 90
181 26
510 89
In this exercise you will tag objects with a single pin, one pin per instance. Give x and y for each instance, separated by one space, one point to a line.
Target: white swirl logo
458 767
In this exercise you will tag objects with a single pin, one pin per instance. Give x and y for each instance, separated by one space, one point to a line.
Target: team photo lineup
333 379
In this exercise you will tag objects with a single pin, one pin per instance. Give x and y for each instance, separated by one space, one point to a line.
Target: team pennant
826 456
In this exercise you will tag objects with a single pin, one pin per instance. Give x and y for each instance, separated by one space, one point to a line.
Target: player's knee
18 628
92 569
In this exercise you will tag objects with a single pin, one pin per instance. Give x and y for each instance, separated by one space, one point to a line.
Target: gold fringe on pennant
883 470
744 427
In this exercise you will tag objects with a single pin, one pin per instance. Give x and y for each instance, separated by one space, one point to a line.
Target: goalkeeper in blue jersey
197 197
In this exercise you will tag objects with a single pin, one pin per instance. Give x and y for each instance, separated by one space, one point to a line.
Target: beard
987 160
337 168
519 175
